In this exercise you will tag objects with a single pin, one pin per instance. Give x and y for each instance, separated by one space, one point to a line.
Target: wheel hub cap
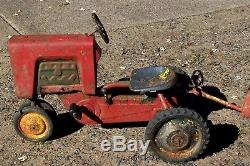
33 125
178 140
177 136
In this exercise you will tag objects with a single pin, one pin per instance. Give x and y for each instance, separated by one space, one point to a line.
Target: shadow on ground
125 125
221 136
205 106
65 125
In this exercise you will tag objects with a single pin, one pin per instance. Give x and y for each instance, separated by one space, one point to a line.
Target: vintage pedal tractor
67 65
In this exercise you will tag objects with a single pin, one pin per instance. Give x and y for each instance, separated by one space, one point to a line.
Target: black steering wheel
197 78
100 28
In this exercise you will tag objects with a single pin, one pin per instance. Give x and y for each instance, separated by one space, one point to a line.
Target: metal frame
91 104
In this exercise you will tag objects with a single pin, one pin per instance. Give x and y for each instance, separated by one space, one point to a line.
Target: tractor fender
246 105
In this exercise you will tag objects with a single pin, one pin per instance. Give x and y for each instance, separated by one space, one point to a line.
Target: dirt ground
217 43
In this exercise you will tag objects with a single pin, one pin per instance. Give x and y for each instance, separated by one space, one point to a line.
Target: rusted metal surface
165 77
60 89
33 125
179 138
146 99
58 73
26 51
199 92
44 60
118 84
245 109
153 79
164 102
246 106
123 108
67 64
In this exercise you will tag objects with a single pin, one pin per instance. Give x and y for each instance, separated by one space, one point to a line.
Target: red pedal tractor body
67 65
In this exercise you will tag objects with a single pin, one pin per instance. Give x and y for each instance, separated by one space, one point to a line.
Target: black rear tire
177 135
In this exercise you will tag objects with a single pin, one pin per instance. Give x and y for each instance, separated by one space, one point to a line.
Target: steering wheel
100 28
197 78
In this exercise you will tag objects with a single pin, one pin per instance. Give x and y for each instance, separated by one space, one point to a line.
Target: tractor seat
152 79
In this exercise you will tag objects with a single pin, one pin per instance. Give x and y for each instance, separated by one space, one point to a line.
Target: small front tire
33 124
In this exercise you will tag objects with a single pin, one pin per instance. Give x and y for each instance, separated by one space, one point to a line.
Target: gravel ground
217 43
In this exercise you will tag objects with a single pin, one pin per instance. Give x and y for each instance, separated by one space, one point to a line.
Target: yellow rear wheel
33 124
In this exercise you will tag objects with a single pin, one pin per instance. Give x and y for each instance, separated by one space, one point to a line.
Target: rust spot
165 76
146 99
82 53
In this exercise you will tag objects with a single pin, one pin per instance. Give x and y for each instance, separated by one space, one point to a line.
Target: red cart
67 65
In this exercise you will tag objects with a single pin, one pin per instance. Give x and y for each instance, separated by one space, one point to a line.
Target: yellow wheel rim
33 125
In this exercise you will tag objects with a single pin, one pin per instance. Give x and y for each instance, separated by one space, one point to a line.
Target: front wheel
33 123
177 135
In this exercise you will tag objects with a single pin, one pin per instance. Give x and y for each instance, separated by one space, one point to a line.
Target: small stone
237 78
66 3
17 13
144 59
215 50
82 9
162 49
122 67
234 97
124 51
23 158
142 46
168 41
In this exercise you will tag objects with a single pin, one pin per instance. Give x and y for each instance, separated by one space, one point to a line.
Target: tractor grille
58 73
